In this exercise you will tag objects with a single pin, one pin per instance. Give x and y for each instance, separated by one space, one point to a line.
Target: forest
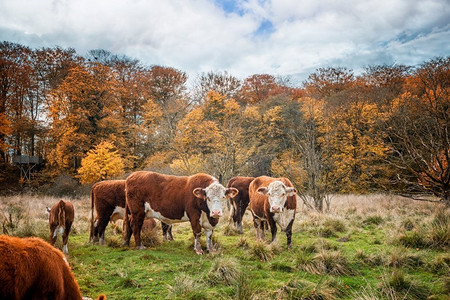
104 115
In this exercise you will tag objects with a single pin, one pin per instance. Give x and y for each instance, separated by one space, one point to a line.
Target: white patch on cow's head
277 193
47 211
215 194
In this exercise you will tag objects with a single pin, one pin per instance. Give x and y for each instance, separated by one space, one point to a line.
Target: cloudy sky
242 37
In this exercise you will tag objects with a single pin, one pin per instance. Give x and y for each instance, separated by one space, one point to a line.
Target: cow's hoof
141 247
199 252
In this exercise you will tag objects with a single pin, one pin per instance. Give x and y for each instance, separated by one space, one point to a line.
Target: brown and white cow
171 199
240 202
273 200
108 201
60 219
32 269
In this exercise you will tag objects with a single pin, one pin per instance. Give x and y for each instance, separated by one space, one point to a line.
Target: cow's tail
91 230
61 213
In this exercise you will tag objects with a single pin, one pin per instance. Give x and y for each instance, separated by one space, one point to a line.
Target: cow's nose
216 214
276 209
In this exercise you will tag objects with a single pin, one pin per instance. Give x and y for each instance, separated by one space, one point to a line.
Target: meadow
365 247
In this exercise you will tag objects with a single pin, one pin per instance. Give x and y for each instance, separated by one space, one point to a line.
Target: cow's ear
262 190
231 192
290 191
199 193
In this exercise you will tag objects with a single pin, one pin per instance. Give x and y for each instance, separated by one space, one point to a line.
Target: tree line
386 129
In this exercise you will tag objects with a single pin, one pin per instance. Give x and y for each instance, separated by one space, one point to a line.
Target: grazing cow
240 202
60 218
273 200
108 201
32 269
197 198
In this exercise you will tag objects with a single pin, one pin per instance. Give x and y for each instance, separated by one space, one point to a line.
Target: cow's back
109 192
168 194
242 184
29 265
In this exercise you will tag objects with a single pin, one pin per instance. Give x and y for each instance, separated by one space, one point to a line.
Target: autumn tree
219 82
83 109
101 163
419 131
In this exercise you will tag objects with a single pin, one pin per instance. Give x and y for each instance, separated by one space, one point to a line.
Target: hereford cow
32 269
108 201
240 202
60 218
273 200
173 199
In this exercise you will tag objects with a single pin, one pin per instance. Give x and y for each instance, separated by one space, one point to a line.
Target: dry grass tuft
261 251
224 270
304 289
186 287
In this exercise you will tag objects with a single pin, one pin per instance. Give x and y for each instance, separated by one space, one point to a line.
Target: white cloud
199 35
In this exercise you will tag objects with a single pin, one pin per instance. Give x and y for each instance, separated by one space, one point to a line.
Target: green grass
366 257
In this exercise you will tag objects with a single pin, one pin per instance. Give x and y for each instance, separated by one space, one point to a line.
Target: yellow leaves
152 112
288 165
102 162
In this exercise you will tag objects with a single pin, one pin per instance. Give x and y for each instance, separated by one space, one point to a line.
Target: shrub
304 289
440 264
186 287
224 270
324 262
413 239
373 220
281 266
261 251
439 232
243 289
396 285
401 258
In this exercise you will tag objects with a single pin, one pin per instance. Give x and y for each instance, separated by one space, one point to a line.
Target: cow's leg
167 231
232 211
273 228
94 237
257 224
137 220
126 235
197 230
53 234
261 229
209 246
239 216
65 237
103 220
289 233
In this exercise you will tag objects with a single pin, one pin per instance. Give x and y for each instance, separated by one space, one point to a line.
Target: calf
108 201
60 218
32 269
273 200
240 202
197 199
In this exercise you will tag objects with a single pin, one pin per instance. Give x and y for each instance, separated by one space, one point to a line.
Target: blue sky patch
230 6
265 28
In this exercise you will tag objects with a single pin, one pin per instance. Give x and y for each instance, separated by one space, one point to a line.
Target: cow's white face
277 193
214 195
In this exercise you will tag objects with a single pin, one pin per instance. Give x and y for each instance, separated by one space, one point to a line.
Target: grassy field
366 247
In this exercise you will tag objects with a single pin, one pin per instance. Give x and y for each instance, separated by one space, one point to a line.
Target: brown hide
32 269
240 202
260 207
61 215
171 196
105 197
